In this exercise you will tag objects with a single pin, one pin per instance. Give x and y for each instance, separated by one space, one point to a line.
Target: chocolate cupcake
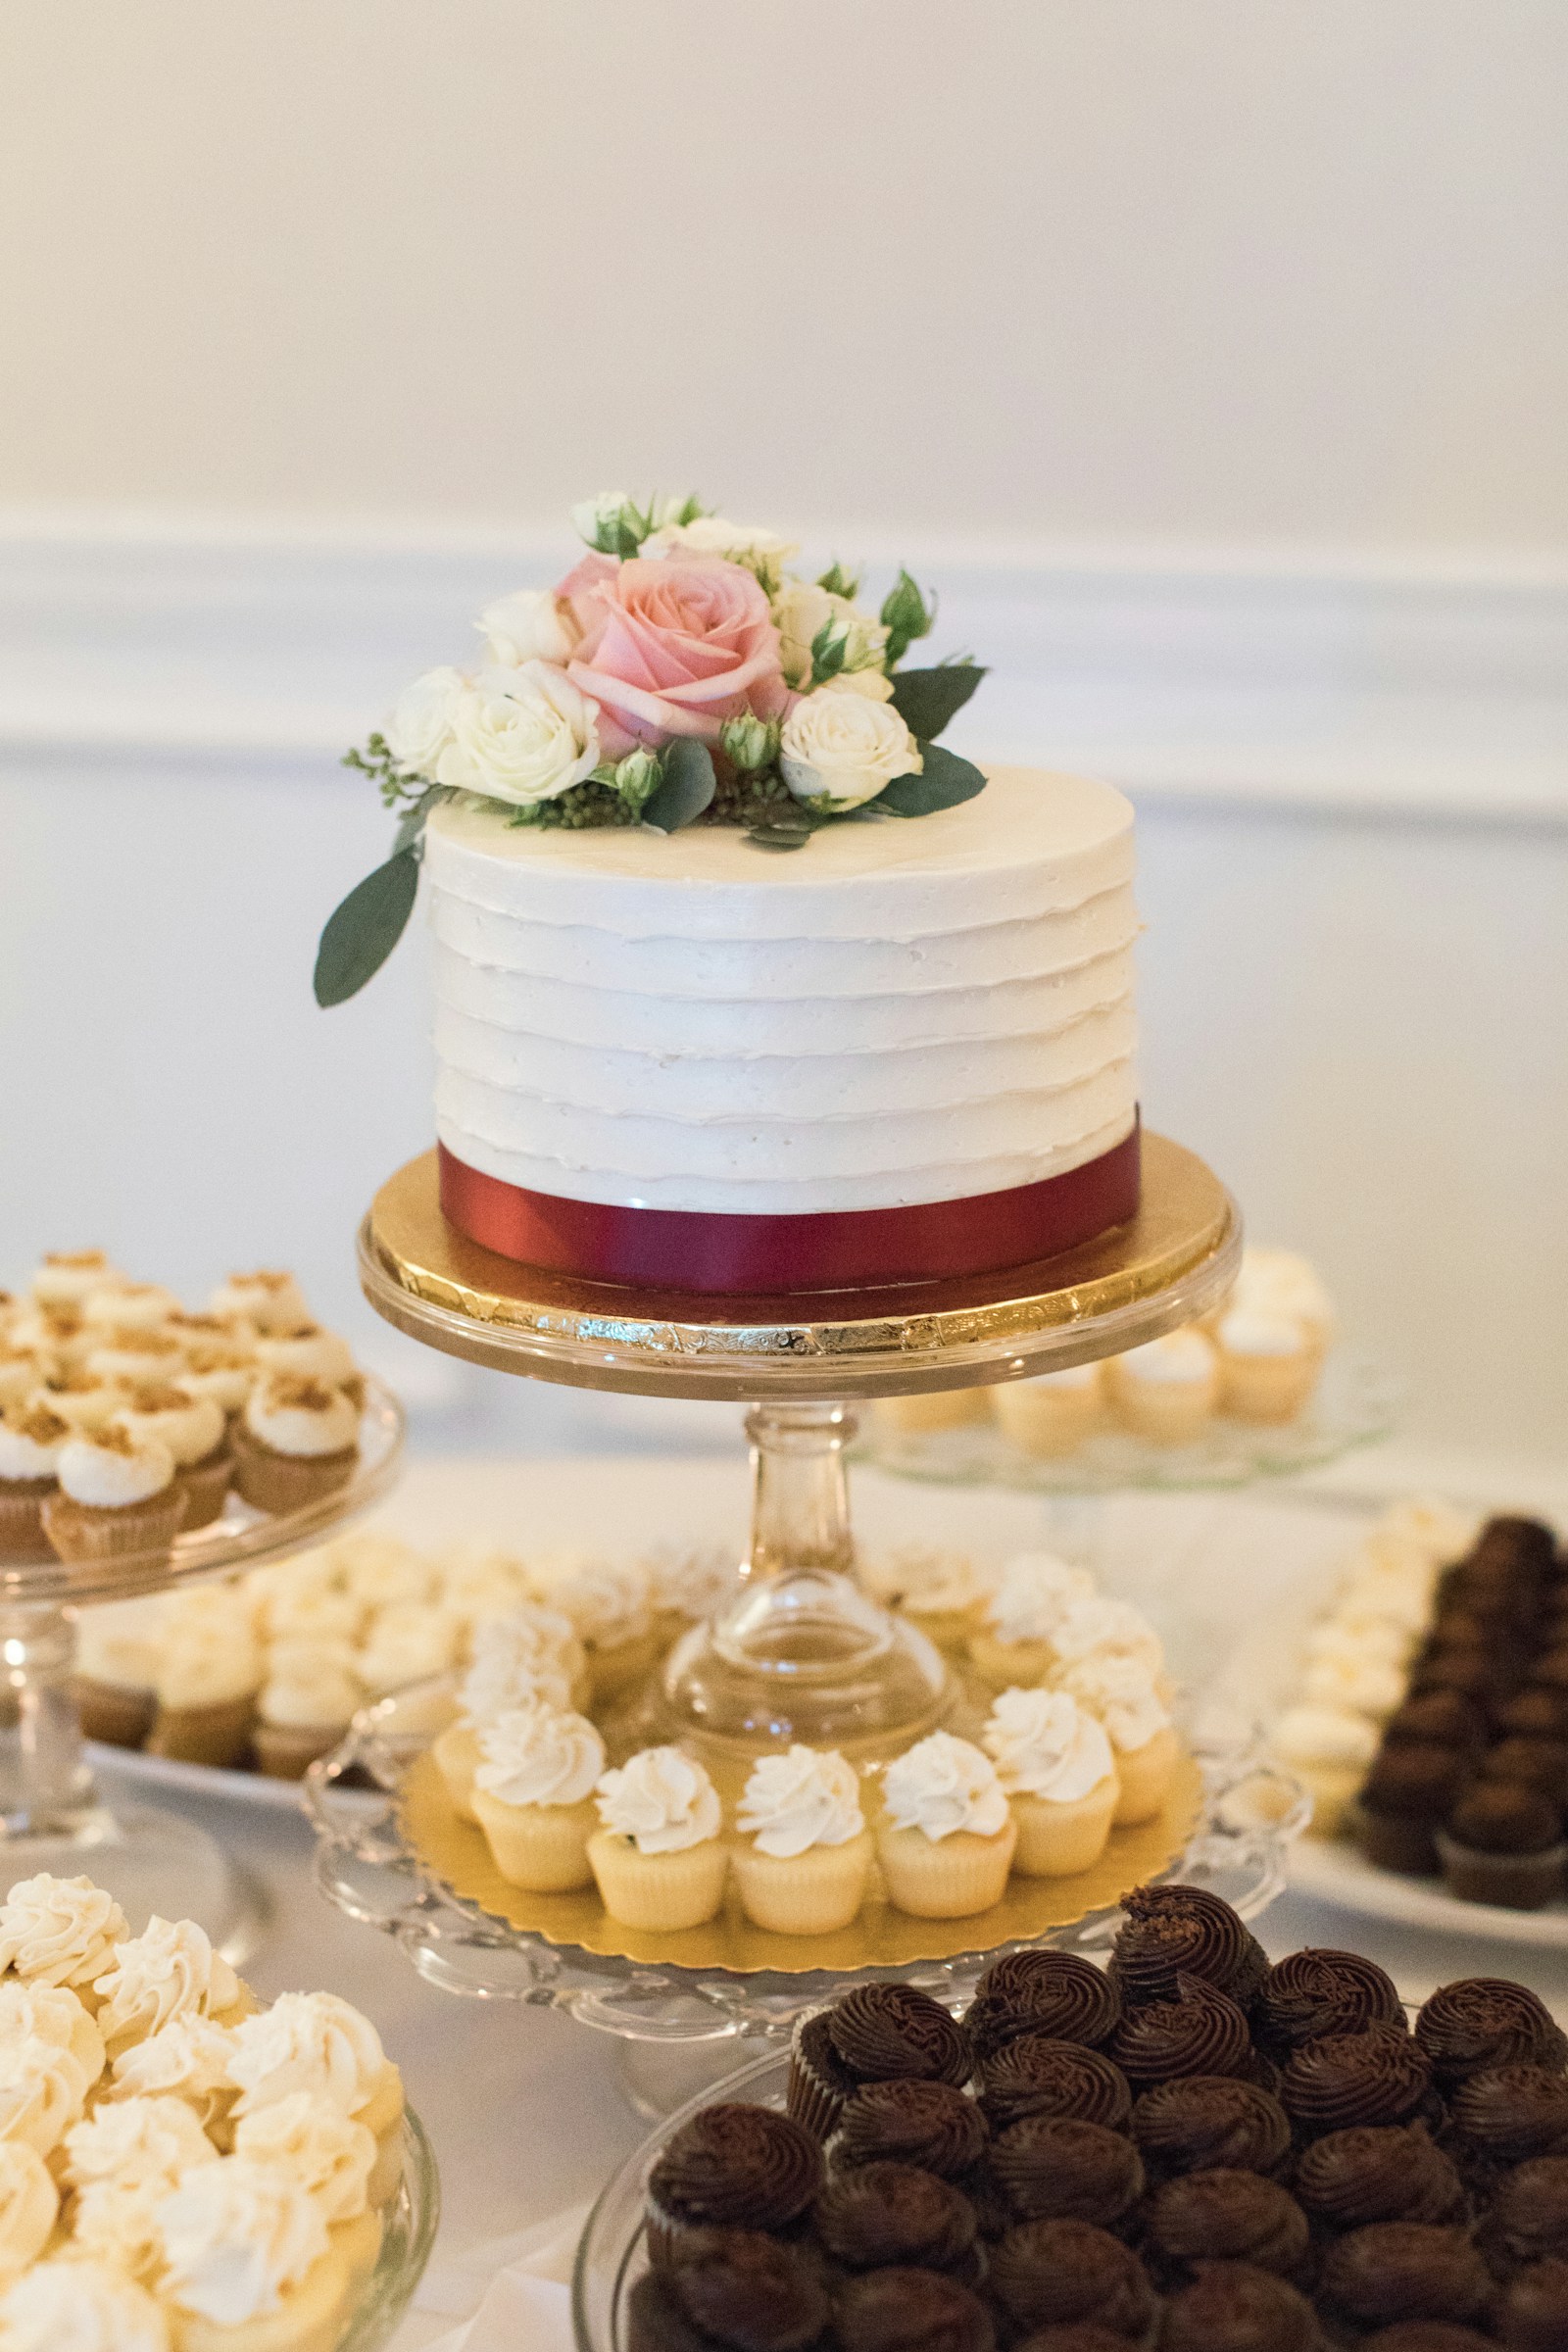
1313 1992
1504 1843
1404 2270
1482 2022
929 2124
819 2081
1408 1791
872 2034
1428 2335
1055 1993
877 2214
1507 2115
1528 2218
1532 2313
903 2310
1234 2307
1207 2121
1472 1673
733 2288
1052 2168
1045 2272
732 2167
1175 1931
1200 2032
1538 1712
1541 1764
1441 1718
1380 2076
1379 2173
1550 1669
1225 2217
1036 2076
1511 1544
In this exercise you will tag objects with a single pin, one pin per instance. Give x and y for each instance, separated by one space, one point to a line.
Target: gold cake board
454 1854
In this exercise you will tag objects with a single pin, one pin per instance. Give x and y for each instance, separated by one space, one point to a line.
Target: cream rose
522 735
745 543
528 625
419 728
801 610
844 749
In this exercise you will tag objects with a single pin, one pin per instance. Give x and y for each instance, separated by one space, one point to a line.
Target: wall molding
1422 689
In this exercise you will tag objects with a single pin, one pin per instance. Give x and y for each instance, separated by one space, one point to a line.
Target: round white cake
900 1012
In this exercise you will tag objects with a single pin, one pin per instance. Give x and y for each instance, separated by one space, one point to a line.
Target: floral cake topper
678 675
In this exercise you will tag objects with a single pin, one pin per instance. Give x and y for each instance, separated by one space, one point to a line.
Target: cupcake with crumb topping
196 1433
118 1498
223 1369
268 1300
21 1372
311 1354
207 1676
130 1355
803 1852
69 1277
118 1649
32 1438
304 1708
296 1442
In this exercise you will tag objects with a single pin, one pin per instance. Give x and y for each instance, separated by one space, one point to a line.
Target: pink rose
672 648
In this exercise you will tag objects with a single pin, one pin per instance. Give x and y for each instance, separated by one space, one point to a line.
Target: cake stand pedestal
50 1815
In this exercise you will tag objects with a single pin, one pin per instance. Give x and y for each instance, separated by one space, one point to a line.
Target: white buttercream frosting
304 1419
42 2091
81 1400
804 1797
29 2204
1045 1744
926 1582
33 1437
169 1971
380 1571
112 1468
1099 1626
1176 1359
311 2041
662 1799
1363 1685
1033 1595
1319 1734
20 1373
236 2235
1261 1331
268 1300
188 2060
944 1784
539 1756
51 2013
73 2305
497 1685
190 1426
692 1580
133 1356
310 1687
527 1635
307 1350
114 2221
1280 1282
225 1373
208 1658
606 1599
58 1930
135 2139
406 1645
120 1305
1123 1691
69 1277
326 2150
312 1612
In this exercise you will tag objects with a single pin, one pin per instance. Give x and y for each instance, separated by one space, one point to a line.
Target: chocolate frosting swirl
1235 2307
1207 2119
1200 2032
1073 2335
1045 2272
925 2124
737 2167
1228 2216
1055 1993
1318 1991
1484 2022
890 2033
748 2291
1051 2168
1036 2076
894 2213
1379 2173
1428 2335
1379 2076
1529 2215
1512 2113
1534 2314
1174 1932
904 2310
1406 2271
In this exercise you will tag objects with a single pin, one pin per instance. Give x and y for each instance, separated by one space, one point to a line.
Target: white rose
845 748
712 535
874 684
529 625
419 728
522 735
596 520
803 611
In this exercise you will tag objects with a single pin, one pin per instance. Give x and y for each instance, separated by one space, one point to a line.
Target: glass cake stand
50 1815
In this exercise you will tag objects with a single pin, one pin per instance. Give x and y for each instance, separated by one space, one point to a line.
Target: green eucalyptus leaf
411 826
362 933
780 837
943 782
687 787
927 699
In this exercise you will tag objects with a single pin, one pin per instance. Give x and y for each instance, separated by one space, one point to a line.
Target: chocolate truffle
1404 2270
1051 2168
1409 1790
903 2309
1482 2022
740 2288
1528 2218
1317 1991
1436 1718
1055 1993
894 2213
1036 2075
1504 1843
732 2167
925 2124
893 2032
1234 2307
1509 2114
1200 2032
1532 2313
1380 2076
1175 1931
1379 2173
1226 2217
1210 2120
1048 2271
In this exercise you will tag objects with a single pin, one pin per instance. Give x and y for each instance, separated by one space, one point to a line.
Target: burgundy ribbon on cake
685 1249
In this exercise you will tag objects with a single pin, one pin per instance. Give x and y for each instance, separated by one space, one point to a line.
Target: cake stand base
150 1862
656 2078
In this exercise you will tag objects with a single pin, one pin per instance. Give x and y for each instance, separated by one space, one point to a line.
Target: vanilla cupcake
84 2303
55 1334
187 2061
1034 1594
59 1932
22 1374
1355 1682
132 1357
223 1369
119 1500
406 1645
1268 1365
1054 1413
479 1583
33 1437
380 1571
496 1685
1054 1762
43 2090
135 2139
310 1610
208 1673
81 1399
168 1971
118 1649
68 1278
533 1796
331 2157
308 1352
609 1604
52 2013
318 2042
305 1706
659 1859
1331 1752
208 1331
1122 1694
1280 1282
121 1305
805 1852
943 1592
296 1442
248 2264
930 1409
30 2206
689 1583
194 1429
945 1842
1166 1390
268 1301
1097 1627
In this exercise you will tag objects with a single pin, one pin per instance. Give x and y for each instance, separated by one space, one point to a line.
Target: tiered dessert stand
50 1814
803 1652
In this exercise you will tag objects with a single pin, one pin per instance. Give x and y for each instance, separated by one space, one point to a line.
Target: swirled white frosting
944 1784
58 1930
188 2059
313 1613
29 2204
480 1583
1347 1636
1261 1331
32 1437
321 2147
116 2222
130 1357
660 1797
1045 1744
136 2140
1035 1593
692 1580
81 1399
539 1756
1362 1685
111 1469
268 1300
307 2042
309 1689
406 1645
1122 1692
607 1600
308 1351
169 1971
498 1686
1111 1628
208 1661
926 1582
42 2090
54 2014
807 1797
190 1426
236 2235
530 1634
222 1371
1176 1359
120 1305
1280 1282
72 2305
54 1334
68 1277
1331 1735
302 1418
380 1570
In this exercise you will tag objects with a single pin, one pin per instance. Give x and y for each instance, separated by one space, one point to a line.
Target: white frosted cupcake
1331 1752
118 1649
187 2061
318 2042
1054 1413
1268 1365
805 1852
1054 1759
118 1498
657 1858
1282 1282
1122 1694
223 1369
135 2139
70 1276
533 1796
304 1707
688 1584
82 1400
1356 1684
32 1437
55 1334
30 2205
1097 1627
380 1571
52 2013
208 1672
498 1684
169 1971
132 1357
60 1932
610 1606
120 1305
1033 1595
947 1838
85 2303
943 1592
43 2090
309 1353
1167 1389
404 1644
22 1375
332 2158
196 1431
295 1442
248 2264
268 1301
